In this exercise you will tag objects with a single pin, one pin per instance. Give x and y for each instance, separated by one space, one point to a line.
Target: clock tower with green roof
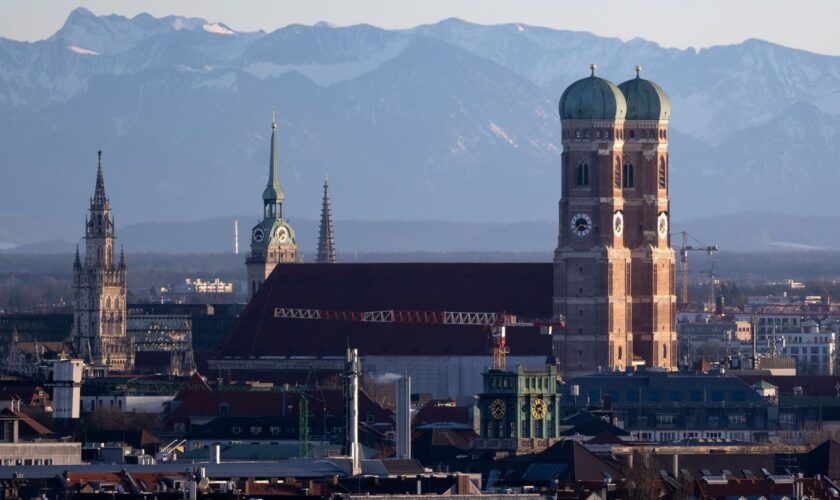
273 238
519 409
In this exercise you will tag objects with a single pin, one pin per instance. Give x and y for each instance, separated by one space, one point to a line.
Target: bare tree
643 482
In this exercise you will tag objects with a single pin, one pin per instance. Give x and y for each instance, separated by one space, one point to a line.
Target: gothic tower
100 290
646 212
273 238
326 241
592 266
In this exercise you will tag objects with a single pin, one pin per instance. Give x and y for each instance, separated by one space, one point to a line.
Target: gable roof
522 289
583 465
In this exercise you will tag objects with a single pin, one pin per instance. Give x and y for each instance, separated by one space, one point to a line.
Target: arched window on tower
664 351
628 175
617 174
582 173
663 182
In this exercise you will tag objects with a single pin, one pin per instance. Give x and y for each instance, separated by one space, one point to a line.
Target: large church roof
522 289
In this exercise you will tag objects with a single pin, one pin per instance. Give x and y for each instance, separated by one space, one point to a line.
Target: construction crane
497 323
684 264
303 417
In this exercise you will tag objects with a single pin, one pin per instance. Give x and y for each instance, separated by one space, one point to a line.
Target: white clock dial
259 234
662 225
618 223
281 234
581 224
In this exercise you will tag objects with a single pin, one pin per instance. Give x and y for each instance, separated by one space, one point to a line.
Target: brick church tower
592 266
645 177
613 266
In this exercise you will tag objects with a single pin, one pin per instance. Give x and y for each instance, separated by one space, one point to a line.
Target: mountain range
451 122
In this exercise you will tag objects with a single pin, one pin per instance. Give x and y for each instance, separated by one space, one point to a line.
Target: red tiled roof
33 424
522 289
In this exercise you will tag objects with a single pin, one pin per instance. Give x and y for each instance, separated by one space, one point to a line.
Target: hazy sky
805 24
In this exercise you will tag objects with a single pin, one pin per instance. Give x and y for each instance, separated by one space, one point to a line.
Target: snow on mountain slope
451 121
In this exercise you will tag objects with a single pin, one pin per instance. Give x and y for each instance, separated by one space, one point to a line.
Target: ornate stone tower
326 241
100 290
646 212
273 239
592 266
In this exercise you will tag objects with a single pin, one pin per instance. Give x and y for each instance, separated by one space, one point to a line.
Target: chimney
351 373
404 418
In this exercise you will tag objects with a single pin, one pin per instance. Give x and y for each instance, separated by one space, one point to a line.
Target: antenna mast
236 237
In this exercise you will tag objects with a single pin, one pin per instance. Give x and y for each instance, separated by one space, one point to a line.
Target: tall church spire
326 241
273 193
99 198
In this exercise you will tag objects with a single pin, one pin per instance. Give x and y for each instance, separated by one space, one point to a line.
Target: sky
804 24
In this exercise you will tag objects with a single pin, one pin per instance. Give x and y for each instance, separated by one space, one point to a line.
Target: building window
663 183
256 429
628 175
664 351
597 134
617 174
577 134
738 419
236 429
620 353
606 134
582 173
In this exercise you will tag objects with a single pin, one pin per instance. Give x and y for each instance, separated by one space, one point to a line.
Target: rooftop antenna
236 237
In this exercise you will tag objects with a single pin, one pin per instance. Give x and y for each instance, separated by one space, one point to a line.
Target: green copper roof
273 191
592 98
645 99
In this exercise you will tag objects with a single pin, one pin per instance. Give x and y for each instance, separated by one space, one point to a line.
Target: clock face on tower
581 224
538 409
618 223
281 234
497 409
662 225
259 234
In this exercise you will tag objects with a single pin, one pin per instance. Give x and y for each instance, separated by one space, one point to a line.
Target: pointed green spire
273 191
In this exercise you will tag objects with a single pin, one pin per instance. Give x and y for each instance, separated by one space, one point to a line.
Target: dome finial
592 67
638 70
273 122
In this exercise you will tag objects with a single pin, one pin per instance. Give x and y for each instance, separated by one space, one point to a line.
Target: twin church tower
614 266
